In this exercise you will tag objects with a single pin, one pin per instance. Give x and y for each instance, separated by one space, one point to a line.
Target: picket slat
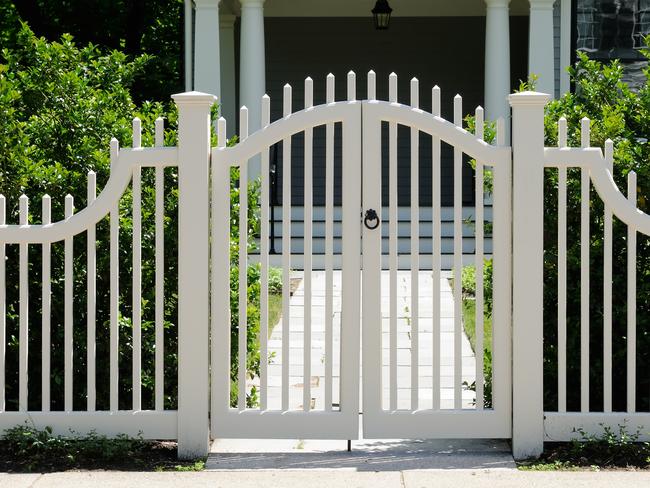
415 252
68 311
458 258
46 303
114 338
243 266
23 334
307 258
436 255
478 263
91 305
631 299
286 250
137 280
584 274
264 261
607 290
159 258
329 245
562 272
392 242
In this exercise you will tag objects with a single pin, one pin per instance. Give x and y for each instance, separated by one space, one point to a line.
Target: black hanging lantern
382 12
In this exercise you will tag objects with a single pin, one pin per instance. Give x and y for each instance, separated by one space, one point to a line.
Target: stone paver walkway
404 320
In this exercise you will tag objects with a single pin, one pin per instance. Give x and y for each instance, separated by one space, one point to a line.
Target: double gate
384 327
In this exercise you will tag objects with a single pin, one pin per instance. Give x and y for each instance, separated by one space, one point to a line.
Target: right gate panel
436 281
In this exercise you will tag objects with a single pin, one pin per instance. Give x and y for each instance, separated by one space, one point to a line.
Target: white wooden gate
425 415
421 412
333 421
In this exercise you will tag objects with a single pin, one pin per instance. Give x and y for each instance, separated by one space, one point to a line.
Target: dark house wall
447 51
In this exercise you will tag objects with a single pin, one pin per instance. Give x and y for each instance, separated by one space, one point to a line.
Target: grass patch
26 449
275 310
468 308
611 449
469 322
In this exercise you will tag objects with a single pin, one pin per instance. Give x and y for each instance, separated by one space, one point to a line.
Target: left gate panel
285 343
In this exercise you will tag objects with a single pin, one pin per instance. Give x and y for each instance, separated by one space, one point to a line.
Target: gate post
527 273
193 282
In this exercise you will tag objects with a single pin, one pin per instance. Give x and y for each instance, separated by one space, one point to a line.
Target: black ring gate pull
371 220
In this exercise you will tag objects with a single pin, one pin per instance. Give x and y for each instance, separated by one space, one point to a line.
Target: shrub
618 113
60 104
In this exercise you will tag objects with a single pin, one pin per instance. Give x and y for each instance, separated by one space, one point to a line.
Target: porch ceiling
361 8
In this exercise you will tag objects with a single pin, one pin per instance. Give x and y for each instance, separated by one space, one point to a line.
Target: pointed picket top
330 88
159 139
585 132
136 136
115 151
352 86
479 123
435 101
243 123
91 186
309 93
221 132
23 205
562 132
46 209
286 100
501 131
415 93
609 156
631 187
392 88
458 110
69 206
266 111
372 85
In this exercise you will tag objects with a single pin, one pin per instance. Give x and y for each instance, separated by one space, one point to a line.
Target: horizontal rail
593 159
563 426
147 423
286 127
119 179
436 126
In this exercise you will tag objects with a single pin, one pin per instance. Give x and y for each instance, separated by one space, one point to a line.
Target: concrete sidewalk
506 478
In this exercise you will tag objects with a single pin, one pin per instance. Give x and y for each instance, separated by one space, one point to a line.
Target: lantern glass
381 13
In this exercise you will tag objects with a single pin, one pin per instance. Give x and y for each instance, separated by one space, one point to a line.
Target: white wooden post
527 272
193 283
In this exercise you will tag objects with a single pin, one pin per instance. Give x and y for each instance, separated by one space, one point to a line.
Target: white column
206 47
227 101
527 273
565 45
252 67
188 44
497 59
541 54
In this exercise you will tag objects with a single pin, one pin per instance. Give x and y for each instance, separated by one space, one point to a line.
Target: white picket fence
204 325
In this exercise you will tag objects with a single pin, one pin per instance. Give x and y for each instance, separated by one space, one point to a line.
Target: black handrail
274 191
